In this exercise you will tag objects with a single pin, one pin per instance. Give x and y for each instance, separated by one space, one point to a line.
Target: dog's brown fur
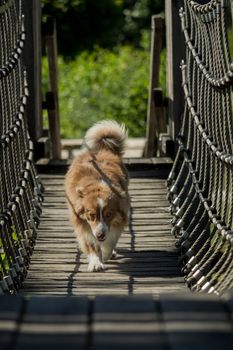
97 191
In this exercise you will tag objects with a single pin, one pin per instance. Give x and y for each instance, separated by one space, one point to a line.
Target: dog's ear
79 191
80 210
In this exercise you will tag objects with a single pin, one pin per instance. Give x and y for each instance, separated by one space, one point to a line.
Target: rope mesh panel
201 181
21 189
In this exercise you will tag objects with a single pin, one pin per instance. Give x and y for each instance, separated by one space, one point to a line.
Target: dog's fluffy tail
106 134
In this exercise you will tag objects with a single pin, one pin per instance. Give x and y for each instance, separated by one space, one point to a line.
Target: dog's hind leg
109 245
108 251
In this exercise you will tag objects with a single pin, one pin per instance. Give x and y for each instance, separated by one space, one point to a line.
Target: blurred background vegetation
103 61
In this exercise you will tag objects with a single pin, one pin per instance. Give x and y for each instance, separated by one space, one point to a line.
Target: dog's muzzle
100 232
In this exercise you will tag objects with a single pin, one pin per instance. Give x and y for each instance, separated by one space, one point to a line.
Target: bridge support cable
201 181
21 189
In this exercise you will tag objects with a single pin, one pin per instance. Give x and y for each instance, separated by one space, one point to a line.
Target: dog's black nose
101 236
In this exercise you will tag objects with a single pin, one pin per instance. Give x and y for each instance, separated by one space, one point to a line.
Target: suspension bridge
171 282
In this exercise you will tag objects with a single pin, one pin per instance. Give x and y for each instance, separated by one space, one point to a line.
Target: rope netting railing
201 181
21 189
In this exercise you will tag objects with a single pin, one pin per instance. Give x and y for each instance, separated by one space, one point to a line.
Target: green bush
103 84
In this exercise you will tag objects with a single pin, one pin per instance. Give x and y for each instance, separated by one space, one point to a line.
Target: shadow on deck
146 264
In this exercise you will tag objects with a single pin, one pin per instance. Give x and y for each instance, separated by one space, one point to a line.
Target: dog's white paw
95 264
114 254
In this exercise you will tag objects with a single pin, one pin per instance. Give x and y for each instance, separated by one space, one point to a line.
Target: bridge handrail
201 181
21 189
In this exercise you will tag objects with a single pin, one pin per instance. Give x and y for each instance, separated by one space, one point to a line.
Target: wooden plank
105 277
196 321
228 304
11 308
151 203
56 178
156 267
54 323
162 225
126 323
59 184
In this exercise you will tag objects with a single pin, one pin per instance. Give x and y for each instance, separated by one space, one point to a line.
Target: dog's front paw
95 264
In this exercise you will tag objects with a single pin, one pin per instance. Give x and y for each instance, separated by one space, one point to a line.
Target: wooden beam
11 308
52 97
53 323
175 321
32 58
175 53
157 31
196 321
137 321
160 117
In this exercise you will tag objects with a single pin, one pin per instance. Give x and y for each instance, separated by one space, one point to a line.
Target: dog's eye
91 217
108 214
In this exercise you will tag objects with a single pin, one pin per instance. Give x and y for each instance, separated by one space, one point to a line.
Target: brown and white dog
96 187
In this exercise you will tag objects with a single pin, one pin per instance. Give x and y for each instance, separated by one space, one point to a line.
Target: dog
96 186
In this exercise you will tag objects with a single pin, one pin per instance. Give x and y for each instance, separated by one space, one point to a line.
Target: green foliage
14 234
103 84
104 67
6 261
137 18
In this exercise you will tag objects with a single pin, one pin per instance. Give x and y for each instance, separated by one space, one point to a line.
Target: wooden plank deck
146 263
180 322
139 300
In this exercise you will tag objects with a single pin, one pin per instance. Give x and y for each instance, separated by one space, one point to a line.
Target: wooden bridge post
32 57
52 96
153 113
175 53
